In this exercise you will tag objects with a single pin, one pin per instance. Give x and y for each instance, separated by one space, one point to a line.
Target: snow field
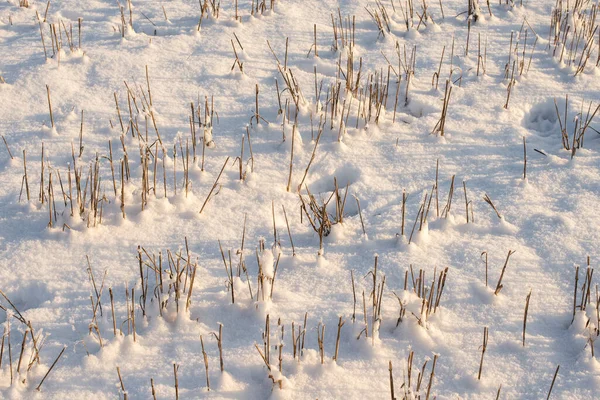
323 208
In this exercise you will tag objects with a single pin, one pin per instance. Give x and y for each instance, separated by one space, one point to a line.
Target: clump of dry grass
343 31
572 33
582 124
262 7
316 213
380 16
430 297
412 387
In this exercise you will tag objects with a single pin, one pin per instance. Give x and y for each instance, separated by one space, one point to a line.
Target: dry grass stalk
436 75
279 346
524 159
488 200
175 369
237 61
122 189
10 363
119 112
289 183
321 340
553 380
229 273
214 185
483 349
205 357
132 313
448 206
112 307
337 340
50 106
2 347
22 350
467 202
362 223
435 357
189 296
391 381
25 179
289 232
575 292
441 124
525 315
486 266
38 388
402 312
220 345
499 285
7 148
511 84
312 157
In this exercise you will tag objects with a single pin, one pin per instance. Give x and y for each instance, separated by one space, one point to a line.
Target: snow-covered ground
201 185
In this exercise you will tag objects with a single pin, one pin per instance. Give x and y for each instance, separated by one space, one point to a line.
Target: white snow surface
549 219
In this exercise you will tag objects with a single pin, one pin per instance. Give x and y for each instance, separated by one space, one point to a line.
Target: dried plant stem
51 367
362 223
553 380
112 307
435 357
315 40
353 295
575 292
525 315
499 285
483 349
524 158
22 349
289 184
214 185
312 157
320 340
132 312
7 148
50 105
289 232
220 345
441 124
337 340
175 369
391 381
43 42
148 84
486 267
10 365
488 200
404 197
466 201
122 189
25 175
192 278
